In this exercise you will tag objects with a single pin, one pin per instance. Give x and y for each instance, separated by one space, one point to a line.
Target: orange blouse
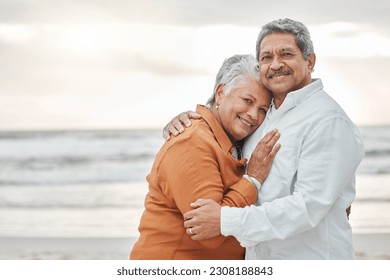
195 164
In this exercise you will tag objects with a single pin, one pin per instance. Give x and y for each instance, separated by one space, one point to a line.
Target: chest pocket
286 165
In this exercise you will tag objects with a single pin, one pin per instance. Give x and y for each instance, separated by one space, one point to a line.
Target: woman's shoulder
199 131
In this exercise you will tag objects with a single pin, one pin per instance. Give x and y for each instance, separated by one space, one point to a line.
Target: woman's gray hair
234 70
300 31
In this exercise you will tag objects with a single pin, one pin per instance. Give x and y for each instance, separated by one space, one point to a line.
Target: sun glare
87 40
16 32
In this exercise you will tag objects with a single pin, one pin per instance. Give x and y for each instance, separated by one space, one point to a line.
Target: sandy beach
108 233
38 248
367 246
81 222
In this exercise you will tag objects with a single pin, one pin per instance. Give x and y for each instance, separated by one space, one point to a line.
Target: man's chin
279 89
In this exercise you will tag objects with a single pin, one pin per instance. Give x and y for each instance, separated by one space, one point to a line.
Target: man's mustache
279 73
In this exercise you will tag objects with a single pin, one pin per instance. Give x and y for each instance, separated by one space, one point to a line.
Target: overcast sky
135 64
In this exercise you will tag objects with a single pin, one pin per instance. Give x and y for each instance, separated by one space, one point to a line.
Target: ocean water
76 157
92 183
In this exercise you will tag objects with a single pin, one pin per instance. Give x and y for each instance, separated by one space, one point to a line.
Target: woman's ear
219 93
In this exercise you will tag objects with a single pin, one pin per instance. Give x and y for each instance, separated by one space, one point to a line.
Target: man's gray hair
234 70
300 31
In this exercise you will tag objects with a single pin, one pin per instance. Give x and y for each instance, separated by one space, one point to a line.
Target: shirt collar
216 128
296 97
302 94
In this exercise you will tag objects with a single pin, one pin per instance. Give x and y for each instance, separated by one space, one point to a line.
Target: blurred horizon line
97 129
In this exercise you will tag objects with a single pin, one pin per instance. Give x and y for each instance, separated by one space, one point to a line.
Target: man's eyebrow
265 52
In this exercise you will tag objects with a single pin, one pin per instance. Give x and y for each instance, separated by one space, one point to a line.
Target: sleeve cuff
254 181
231 221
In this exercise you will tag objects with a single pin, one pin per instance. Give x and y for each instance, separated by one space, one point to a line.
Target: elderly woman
205 161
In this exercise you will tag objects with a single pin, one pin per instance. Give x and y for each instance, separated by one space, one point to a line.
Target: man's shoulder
323 103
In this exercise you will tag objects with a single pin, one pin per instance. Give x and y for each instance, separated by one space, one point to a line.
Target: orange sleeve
241 194
190 171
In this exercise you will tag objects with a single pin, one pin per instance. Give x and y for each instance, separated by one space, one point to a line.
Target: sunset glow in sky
136 64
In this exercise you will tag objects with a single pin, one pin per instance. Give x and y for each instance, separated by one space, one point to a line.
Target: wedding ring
191 231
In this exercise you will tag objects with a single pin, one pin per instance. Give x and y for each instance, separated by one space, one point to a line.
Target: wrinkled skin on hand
262 157
177 124
204 220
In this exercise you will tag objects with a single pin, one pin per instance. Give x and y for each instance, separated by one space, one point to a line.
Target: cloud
140 62
345 39
132 57
195 13
359 84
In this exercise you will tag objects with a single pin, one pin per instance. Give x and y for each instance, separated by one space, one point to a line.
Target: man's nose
277 63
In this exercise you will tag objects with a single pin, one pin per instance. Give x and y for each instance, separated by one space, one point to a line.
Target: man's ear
311 62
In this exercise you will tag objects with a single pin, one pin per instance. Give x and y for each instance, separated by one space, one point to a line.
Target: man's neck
278 100
280 97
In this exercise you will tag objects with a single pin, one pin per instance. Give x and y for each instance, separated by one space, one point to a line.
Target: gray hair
300 31
234 70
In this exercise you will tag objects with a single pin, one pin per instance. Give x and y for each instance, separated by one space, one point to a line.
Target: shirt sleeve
328 161
191 171
254 181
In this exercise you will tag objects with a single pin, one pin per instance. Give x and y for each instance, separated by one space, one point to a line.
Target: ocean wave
72 157
377 152
48 163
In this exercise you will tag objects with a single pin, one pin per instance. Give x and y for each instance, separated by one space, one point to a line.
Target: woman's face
243 109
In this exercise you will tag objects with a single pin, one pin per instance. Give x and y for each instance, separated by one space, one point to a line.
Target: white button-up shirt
300 213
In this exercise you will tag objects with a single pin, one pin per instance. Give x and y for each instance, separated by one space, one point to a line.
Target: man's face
282 66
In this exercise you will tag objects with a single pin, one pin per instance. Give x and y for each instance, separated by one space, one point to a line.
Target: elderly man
300 212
